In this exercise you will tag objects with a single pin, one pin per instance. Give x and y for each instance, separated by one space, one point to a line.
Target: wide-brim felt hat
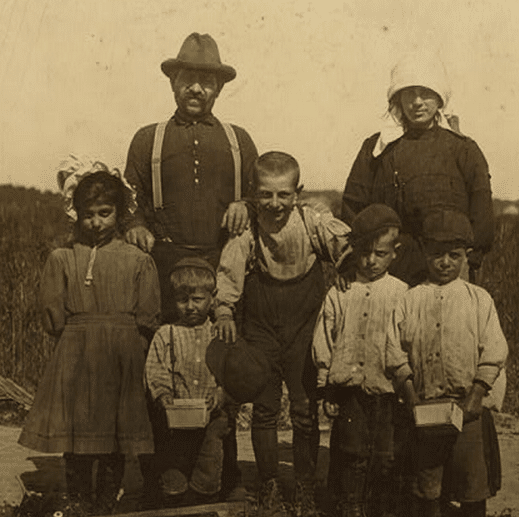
199 52
242 369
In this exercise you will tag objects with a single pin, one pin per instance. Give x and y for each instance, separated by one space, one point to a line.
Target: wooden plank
221 509
16 393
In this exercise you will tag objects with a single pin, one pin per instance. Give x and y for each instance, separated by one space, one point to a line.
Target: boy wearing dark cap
349 353
446 344
276 266
187 462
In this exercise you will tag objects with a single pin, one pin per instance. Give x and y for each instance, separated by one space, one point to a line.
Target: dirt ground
24 470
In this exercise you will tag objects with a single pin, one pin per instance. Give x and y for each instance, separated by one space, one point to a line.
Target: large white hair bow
74 168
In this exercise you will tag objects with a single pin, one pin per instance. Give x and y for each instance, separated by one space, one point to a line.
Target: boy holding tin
446 343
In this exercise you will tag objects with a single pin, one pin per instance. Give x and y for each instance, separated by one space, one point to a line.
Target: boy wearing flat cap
446 344
188 463
349 353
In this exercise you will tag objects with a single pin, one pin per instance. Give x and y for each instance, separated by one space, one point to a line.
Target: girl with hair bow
100 299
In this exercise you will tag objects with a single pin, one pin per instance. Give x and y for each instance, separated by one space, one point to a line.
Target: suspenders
156 174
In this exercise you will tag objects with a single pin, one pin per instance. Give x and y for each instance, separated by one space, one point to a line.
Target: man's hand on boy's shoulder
140 236
225 329
236 218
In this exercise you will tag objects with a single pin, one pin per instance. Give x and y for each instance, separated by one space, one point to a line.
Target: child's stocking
78 475
265 444
110 472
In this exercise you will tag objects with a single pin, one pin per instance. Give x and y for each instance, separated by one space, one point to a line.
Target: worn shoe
270 500
304 501
345 509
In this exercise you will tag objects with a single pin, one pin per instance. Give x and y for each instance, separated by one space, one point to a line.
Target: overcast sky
83 76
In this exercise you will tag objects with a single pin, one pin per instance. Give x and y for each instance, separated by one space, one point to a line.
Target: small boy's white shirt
192 376
350 335
447 336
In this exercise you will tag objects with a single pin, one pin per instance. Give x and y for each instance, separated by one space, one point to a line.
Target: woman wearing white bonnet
419 162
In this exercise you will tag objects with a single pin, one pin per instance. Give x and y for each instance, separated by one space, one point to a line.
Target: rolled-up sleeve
493 348
158 372
147 314
397 360
325 334
329 235
231 272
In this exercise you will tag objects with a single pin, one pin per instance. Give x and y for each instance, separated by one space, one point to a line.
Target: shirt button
197 162
196 142
197 181
195 382
365 314
367 294
438 325
198 359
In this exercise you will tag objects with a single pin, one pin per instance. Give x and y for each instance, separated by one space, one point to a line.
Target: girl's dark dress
91 399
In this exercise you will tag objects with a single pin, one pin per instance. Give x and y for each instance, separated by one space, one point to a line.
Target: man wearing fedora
190 173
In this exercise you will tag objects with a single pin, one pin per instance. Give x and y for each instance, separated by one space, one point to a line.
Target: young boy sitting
276 266
446 344
187 462
349 352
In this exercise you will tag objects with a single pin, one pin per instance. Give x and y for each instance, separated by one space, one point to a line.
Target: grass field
32 223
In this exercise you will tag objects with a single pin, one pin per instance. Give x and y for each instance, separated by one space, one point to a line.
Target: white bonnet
420 69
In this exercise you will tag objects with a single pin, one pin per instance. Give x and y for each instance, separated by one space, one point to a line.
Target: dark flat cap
446 225
239 367
372 219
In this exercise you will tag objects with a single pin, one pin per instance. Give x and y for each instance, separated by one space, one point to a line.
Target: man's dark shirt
197 179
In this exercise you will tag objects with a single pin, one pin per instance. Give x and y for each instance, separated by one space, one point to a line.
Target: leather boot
426 508
478 509
304 500
270 500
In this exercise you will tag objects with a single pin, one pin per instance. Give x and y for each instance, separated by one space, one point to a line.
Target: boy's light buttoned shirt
350 336
447 336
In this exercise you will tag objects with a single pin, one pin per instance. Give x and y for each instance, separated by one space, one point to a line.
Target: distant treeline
32 223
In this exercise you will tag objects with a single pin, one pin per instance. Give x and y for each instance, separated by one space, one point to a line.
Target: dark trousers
279 317
170 453
462 467
362 449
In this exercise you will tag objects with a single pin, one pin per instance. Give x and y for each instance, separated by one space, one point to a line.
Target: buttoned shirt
350 336
197 179
191 378
287 254
447 336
